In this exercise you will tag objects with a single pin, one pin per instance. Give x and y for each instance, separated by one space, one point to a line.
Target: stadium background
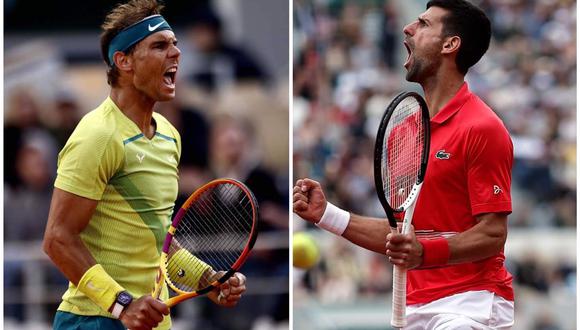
347 66
231 110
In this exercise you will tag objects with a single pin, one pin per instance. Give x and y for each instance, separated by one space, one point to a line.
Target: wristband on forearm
435 252
99 286
334 219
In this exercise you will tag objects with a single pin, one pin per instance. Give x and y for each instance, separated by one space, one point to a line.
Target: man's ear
451 45
122 61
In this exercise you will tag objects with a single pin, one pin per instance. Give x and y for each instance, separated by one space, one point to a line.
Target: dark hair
119 18
471 24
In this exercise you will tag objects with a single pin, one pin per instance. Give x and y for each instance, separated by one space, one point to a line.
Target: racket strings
221 256
402 151
205 237
210 237
205 232
226 224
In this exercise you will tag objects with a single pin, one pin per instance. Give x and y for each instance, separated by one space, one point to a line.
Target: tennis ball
304 250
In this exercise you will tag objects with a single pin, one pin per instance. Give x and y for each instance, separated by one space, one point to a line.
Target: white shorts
473 310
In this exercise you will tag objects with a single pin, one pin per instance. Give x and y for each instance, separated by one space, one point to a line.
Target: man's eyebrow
159 42
423 19
164 41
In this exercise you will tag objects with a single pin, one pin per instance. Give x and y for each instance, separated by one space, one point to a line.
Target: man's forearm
485 239
366 232
475 246
69 215
69 254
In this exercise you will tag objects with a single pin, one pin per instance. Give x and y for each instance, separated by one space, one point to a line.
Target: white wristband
334 219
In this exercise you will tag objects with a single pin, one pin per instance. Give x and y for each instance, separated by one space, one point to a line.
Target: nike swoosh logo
153 28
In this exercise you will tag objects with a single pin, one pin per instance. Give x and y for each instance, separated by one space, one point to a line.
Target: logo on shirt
496 190
441 154
91 286
140 157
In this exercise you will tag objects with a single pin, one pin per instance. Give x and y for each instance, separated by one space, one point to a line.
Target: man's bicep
69 212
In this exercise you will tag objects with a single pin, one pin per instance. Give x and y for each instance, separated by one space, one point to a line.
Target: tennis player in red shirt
457 278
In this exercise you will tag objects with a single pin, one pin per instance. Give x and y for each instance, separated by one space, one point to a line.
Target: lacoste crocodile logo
441 154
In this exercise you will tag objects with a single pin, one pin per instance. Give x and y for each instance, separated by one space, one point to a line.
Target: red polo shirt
468 174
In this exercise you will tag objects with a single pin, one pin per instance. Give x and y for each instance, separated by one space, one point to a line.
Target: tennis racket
209 239
400 163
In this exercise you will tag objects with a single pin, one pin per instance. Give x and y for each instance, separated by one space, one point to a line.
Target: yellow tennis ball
304 250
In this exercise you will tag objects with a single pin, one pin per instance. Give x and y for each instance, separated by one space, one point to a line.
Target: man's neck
440 89
136 107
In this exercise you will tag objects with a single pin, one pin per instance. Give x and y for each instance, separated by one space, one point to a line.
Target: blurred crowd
347 67
228 110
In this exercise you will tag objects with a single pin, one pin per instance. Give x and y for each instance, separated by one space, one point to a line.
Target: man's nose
409 29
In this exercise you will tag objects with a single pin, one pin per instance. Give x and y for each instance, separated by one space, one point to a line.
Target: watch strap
123 300
117 310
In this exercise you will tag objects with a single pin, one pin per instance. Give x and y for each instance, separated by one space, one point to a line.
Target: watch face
124 298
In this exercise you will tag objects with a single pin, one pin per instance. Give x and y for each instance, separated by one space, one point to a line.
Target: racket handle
398 319
179 298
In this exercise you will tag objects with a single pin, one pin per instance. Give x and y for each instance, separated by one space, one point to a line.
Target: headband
135 33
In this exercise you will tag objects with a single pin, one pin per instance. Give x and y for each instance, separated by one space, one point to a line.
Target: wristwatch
123 300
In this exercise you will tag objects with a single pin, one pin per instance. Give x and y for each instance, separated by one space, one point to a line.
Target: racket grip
398 319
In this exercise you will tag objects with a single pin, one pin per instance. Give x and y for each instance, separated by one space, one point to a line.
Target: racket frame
390 211
398 319
162 272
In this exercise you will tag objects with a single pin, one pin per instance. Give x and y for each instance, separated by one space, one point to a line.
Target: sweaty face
424 41
155 63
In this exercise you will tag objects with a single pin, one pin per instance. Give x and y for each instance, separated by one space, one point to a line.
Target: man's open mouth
169 76
409 53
